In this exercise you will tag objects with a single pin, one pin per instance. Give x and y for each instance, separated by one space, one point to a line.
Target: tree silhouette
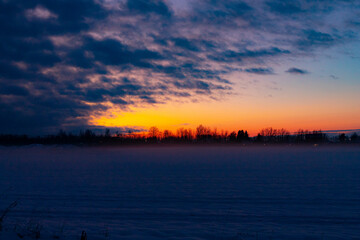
259 138
354 137
342 137
154 132
232 136
107 133
167 134
242 136
203 132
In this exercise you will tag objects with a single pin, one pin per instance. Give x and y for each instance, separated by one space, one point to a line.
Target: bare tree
167 134
154 132
274 135
203 132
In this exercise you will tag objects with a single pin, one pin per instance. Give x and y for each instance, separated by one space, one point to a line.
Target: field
183 192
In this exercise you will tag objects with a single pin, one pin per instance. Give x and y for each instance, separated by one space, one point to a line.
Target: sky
131 64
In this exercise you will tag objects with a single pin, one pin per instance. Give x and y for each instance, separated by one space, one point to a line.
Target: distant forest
201 135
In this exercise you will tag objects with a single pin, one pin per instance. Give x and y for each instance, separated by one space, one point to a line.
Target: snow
184 192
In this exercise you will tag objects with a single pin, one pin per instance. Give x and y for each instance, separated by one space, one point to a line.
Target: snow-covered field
181 192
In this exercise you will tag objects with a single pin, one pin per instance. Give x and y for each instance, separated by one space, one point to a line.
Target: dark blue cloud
149 99
222 12
334 77
71 16
231 56
148 6
34 51
100 94
13 90
312 39
199 85
186 84
185 44
79 58
192 71
297 71
9 71
113 52
36 103
120 101
261 71
40 114
285 7
263 52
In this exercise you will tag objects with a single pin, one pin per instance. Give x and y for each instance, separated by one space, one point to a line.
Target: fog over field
182 192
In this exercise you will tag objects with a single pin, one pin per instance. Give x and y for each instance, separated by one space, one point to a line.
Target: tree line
202 134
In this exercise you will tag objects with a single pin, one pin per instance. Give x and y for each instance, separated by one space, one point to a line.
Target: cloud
113 130
239 56
313 39
148 6
340 131
64 61
185 44
261 71
113 52
35 51
39 12
57 17
297 71
285 7
217 12
333 77
13 90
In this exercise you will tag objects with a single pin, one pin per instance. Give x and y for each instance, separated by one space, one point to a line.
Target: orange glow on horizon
173 116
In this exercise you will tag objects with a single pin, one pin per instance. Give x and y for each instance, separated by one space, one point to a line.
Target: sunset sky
132 64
